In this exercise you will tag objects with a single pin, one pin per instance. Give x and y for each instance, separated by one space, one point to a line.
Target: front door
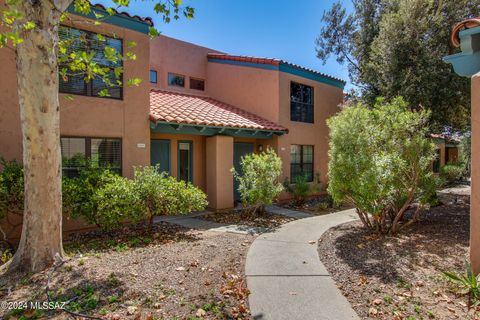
240 149
160 154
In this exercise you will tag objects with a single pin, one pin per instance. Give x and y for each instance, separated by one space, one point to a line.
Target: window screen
197 84
74 80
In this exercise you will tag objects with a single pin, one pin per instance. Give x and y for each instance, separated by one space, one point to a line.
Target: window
197 84
153 76
102 152
301 162
185 160
176 80
436 162
301 103
74 82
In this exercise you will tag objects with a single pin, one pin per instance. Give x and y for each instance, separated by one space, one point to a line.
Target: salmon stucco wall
475 184
90 116
179 57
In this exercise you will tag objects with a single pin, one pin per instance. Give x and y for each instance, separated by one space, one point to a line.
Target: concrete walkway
285 275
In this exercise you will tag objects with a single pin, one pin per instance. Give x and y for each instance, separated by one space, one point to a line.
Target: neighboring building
201 112
466 35
448 151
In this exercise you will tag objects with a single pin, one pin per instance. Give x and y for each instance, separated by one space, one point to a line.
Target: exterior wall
251 89
475 184
179 57
89 116
219 150
326 104
198 155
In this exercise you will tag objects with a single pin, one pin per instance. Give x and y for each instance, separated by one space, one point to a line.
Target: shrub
117 201
469 283
259 186
452 172
380 161
161 194
299 189
11 190
78 194
466 152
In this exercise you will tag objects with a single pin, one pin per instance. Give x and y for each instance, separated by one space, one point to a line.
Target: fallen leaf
180 269
201 313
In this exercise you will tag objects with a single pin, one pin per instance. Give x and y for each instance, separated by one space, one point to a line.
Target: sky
283 29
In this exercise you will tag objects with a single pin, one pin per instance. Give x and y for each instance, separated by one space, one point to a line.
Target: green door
160 154
239 150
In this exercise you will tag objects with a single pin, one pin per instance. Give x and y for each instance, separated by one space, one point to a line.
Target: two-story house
197 112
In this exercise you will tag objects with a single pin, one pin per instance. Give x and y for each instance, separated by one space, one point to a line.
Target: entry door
160 154
185 161
240 149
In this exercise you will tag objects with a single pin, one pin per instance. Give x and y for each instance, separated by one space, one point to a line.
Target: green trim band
203 130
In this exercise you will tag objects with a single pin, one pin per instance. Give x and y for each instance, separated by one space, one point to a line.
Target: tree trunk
37 75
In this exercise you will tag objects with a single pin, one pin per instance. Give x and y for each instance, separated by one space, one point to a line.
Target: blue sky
284 29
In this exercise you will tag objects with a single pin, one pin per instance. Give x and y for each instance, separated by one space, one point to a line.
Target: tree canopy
396 48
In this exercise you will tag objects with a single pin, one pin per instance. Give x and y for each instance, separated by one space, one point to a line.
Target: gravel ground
262 220
318 205
400 277
174 273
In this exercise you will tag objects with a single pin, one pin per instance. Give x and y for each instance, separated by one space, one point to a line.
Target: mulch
401 277
240 217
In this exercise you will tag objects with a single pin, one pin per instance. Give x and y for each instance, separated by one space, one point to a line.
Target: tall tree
396 47
30 28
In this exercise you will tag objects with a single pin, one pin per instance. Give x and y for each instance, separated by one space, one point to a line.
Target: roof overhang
467 62
117 19
204 130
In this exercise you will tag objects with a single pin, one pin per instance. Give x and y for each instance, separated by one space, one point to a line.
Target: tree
258 185
30 28
380 161
396 48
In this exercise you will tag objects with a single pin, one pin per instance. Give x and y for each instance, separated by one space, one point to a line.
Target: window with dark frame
153 76
74 82
301 162
176 80
197 84
301 103
102 152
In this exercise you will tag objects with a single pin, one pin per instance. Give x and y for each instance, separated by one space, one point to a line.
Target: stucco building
196 113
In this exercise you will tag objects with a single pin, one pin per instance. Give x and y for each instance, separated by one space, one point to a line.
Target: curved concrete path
285 275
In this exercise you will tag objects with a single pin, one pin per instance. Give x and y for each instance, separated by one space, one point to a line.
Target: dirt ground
171 273
261 220
401 277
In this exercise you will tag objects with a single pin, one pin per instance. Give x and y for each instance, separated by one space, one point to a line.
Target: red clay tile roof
271 61
147 20
467 24
196 110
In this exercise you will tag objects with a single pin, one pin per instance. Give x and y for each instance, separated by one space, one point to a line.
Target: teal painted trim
283 67
311 75
190 159
202 130
467 62
117 19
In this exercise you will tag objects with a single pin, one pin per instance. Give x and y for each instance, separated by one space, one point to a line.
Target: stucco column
219 161
475 197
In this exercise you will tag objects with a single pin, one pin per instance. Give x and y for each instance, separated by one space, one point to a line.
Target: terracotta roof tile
270 61
189 109
147 20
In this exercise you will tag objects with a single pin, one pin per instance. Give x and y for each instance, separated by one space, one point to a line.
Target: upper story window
74 81
176 80
301 103
153 76
197 84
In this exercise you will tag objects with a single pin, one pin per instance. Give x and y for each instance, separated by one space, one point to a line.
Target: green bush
117 202
299 189
78 194
161 194
380 160
11 188
259 186
452 172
